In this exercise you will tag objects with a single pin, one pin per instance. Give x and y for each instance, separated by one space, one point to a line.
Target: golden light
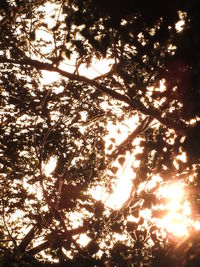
197 225
175 224
125 174
123 188
49 167
174 192
178 220
82 239
179 25
98 67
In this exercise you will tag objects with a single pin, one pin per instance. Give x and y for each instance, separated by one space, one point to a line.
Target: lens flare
178 220
173 192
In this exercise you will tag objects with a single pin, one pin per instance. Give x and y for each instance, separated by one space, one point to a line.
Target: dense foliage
65 120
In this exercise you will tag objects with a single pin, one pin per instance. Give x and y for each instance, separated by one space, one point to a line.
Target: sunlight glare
145 213
50 166
179 25
122 190
177 221
175 224
48 78
97 68
99 193
197 225
174 192
156 179
182 157
83 240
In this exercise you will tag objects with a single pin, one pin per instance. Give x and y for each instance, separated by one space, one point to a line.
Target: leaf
139 156
98 208
68 53
131 226
93 247
110 147
117 227
114 170
136 213
112 140
119 131
121 160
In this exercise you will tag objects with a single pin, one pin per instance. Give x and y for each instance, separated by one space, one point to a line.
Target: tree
66 121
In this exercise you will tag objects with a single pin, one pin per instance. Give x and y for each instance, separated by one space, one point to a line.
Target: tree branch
38 248
136 104
122 147
47 244
28 238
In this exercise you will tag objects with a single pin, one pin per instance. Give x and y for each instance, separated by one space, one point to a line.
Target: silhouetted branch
179 126
28 238
5 224
127 142
38 248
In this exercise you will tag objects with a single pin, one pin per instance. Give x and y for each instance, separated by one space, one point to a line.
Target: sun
178 217
173 192
177 220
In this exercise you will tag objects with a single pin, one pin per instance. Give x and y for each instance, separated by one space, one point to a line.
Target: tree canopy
149 81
